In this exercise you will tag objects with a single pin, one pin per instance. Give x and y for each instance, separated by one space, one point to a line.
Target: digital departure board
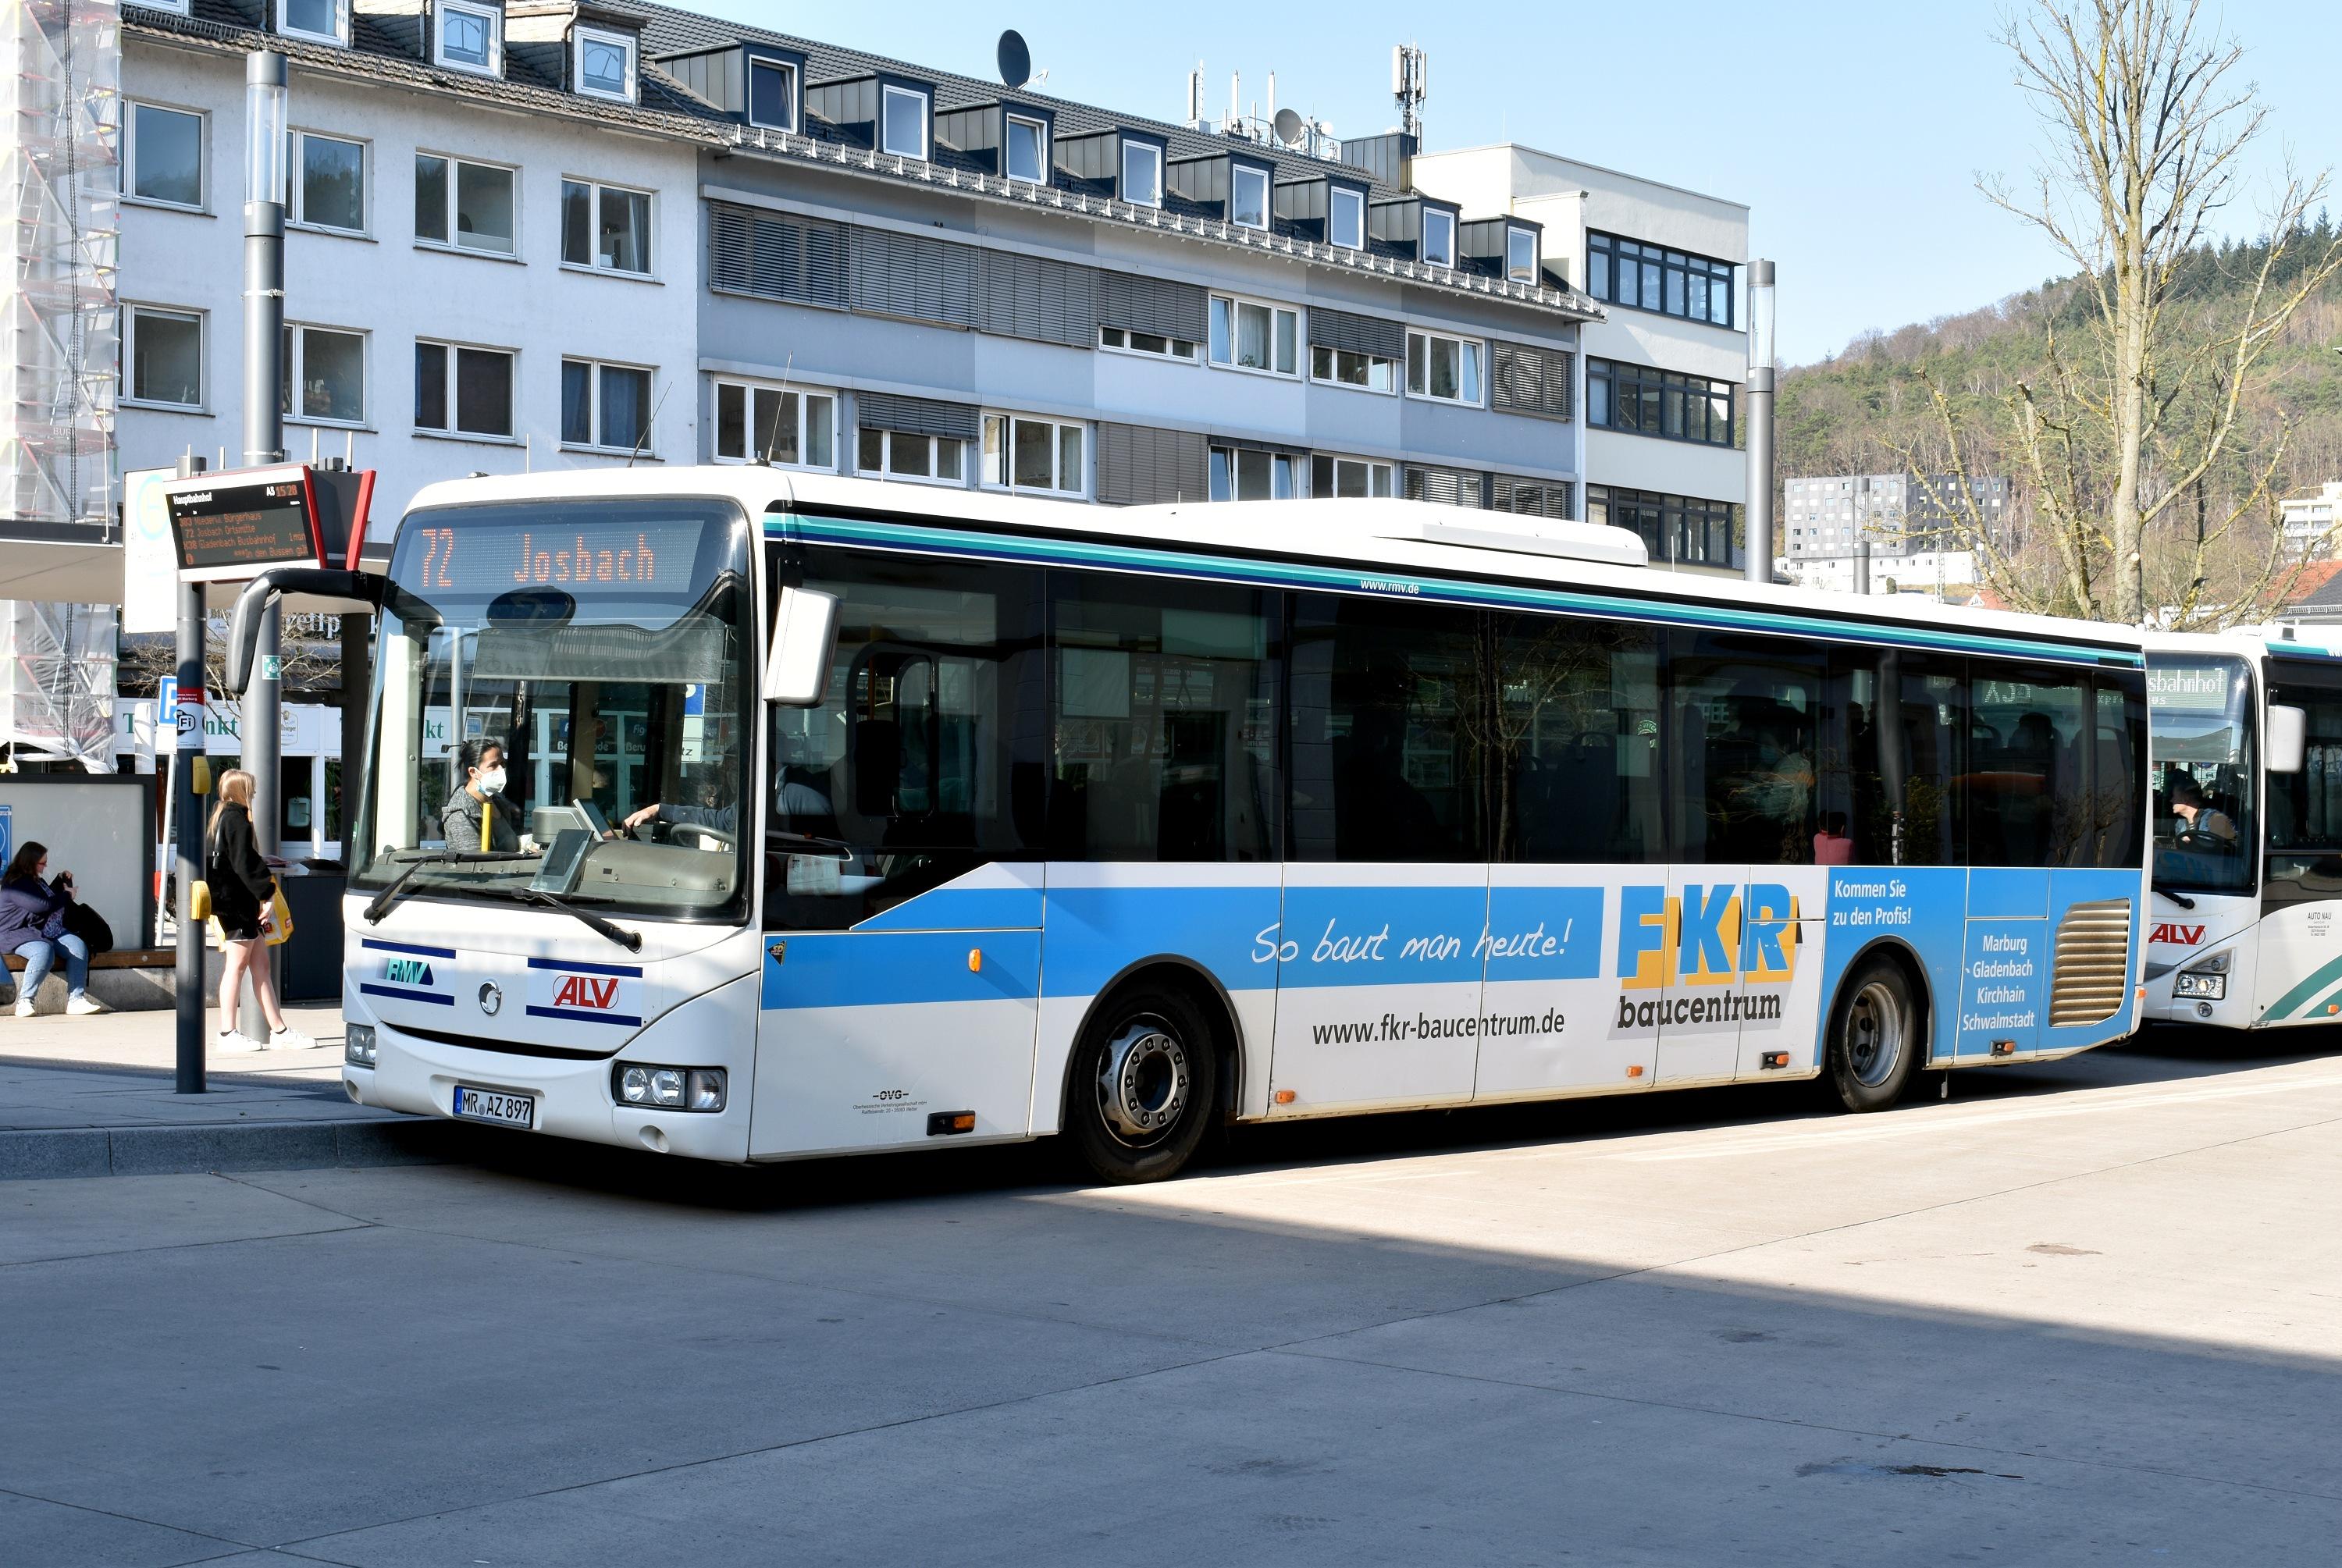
238 524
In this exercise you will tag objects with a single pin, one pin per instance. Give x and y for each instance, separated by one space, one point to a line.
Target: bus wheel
1146 1086
1874 1040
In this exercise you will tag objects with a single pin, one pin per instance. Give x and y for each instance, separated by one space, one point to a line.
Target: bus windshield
588 657
2199 714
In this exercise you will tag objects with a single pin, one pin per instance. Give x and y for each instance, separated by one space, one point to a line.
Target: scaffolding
57 684
60 333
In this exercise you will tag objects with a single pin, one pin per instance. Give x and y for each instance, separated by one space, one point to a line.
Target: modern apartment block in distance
540 233
2308 520
1665 365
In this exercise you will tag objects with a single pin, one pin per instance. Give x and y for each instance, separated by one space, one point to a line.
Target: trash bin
312 960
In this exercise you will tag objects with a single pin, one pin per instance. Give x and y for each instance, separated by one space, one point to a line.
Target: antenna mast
1410 84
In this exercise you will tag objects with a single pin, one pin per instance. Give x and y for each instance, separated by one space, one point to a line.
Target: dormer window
1028 150
470 38
605 63
773 95
1521 256
1345 219
1142 174
325 21
1247 196
903 122
1438 237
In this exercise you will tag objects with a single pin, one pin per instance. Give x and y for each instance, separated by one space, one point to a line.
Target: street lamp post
1756 566
266 149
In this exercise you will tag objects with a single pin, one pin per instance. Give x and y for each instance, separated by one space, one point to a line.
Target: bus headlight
668 1088
2206 979
357 1045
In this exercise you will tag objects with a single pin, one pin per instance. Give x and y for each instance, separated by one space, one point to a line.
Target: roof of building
2317 590
389 47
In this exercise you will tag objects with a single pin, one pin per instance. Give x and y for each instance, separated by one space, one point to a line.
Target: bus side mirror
2288 738
797 674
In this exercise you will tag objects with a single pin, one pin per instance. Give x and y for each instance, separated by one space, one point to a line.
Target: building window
1028 150
1346 217
605 228
464 390
329 183
605 405
463 204
1672 527
1348 478
892 454
1445 368
1649 277
325 375
773 95
1647 402
327 21
1249 336
166 354
769 424
1438 237
1521 254
1142 174
903 129
1346 367
1248 198
470 38
1038 455
164 159
1147 342
1248 473
605 63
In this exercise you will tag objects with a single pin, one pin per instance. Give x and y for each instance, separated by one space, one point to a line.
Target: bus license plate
489 1105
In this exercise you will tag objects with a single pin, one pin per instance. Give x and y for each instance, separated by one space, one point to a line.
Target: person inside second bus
482 794
2199 821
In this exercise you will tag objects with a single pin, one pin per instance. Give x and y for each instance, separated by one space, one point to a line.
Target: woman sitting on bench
33 922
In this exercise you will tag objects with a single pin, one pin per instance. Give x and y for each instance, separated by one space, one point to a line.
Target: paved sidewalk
94 1097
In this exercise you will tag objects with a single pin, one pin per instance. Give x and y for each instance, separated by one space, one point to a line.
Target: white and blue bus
848 816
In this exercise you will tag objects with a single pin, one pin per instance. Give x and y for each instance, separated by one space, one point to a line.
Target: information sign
237 525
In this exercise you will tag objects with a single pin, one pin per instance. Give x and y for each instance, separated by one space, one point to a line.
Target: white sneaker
290 1039
81 1006
23 1007
235 1043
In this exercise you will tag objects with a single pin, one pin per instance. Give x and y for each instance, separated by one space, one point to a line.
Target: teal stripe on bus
2323 976
812 529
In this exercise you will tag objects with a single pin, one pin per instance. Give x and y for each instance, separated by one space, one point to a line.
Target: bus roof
1412 537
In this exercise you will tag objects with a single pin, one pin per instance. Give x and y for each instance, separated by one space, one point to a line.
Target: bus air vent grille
2093 965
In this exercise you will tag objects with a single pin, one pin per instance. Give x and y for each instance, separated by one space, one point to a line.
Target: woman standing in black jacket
243 892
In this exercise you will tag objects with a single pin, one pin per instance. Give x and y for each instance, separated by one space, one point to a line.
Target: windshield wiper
2181 899
632 941
839 846
389 895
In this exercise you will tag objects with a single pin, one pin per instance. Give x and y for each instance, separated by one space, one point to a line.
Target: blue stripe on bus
2007 892
1096 933
572 1015
962 909
878 968
582 968
434 998
405 948
815 529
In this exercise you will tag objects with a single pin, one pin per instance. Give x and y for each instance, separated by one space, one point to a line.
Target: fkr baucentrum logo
1730 947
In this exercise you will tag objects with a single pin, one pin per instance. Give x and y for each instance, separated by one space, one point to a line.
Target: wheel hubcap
1875 1034
1143 1082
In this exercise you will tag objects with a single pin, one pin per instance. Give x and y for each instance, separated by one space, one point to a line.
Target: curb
44 1153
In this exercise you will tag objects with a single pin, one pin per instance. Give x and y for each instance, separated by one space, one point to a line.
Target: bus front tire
1144 1085
1874 1042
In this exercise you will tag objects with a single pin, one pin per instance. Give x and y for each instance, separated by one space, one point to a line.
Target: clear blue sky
1854 131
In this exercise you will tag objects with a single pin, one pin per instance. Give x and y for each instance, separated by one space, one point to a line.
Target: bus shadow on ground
2163 1054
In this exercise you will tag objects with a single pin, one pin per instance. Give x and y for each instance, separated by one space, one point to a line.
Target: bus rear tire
1144 1085
1874 1042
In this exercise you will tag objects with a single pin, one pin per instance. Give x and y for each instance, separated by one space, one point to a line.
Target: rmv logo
2180 935
588 993
407 971
1708 936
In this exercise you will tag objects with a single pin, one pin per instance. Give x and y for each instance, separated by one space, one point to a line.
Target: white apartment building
2308 520
1663 372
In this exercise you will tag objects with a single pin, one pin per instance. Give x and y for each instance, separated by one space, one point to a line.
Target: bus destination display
492 558
241 525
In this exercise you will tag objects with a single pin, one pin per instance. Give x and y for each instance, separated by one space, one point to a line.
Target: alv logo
407 971
586 992
2178 935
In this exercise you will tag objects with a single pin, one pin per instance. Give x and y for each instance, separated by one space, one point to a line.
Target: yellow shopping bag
280 924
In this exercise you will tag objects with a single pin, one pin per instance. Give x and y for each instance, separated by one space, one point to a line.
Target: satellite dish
1015 60
1288 126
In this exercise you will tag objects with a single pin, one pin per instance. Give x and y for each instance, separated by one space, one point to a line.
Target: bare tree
2145 401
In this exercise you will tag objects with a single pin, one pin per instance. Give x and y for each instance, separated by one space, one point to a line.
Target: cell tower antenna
1410 84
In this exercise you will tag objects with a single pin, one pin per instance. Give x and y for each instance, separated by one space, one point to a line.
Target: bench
129 980
127 958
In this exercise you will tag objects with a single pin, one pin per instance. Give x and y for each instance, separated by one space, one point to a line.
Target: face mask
492 781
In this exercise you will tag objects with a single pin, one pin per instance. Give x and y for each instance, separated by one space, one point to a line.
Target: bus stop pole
265 154
187 809
1756 560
